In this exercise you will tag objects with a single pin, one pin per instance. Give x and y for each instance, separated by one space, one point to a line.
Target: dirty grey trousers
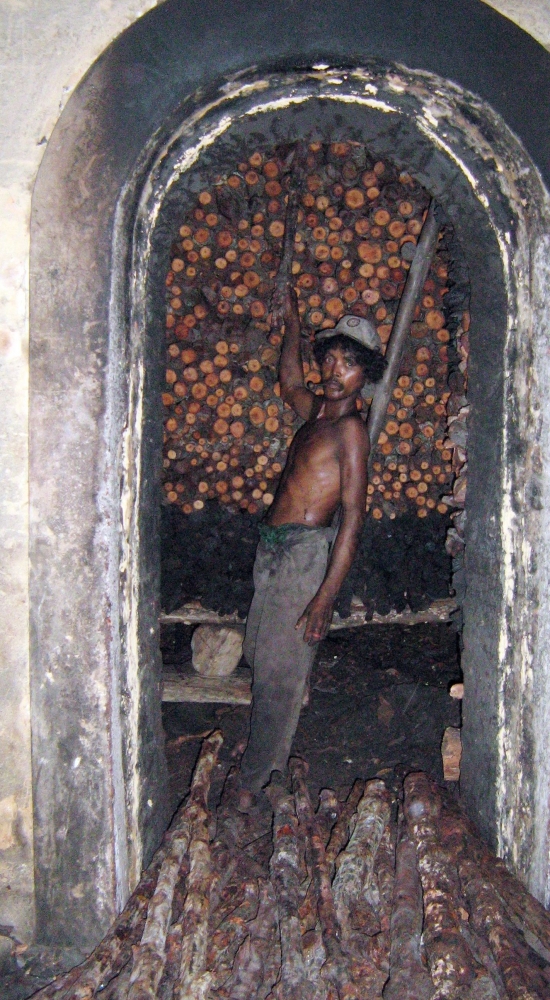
287 575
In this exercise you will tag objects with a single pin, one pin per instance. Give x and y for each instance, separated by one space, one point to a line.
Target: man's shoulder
353 428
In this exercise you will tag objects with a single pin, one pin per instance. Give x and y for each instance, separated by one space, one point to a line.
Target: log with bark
409 978
353 888
334 969
452 965
285 872
190 834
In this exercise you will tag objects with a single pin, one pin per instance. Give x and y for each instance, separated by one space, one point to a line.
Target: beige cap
357 328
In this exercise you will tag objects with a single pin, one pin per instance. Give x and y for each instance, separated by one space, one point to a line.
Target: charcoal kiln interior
227 431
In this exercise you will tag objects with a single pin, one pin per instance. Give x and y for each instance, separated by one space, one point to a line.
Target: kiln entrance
481 183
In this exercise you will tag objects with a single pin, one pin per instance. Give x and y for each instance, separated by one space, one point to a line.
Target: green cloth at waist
275 534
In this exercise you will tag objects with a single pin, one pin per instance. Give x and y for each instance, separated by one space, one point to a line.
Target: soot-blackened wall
99 776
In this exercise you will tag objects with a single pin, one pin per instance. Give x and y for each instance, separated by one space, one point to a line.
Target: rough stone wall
46 48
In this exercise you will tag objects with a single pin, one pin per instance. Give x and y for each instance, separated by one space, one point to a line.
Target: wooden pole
291 222
401 327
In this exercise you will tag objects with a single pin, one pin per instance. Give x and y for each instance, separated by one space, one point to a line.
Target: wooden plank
232 690
437 612
190 686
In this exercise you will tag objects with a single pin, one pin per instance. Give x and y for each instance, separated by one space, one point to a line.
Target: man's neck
334 409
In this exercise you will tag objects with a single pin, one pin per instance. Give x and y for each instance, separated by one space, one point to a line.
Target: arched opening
102 578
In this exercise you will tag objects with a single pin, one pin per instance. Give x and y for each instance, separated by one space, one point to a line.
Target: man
295 589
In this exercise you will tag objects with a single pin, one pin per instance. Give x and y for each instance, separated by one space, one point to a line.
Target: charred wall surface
94 626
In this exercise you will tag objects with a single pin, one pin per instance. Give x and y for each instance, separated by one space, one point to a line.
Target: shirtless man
295 589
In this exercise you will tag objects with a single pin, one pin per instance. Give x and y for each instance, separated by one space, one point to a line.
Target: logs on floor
372 897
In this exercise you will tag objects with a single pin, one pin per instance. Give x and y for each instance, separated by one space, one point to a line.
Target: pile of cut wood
364 898
226 429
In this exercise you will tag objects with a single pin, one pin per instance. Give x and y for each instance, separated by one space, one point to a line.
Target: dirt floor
379 704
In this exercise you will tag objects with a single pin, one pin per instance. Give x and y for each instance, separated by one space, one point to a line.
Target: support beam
401 327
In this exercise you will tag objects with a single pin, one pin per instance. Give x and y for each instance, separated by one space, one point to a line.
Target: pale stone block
216 651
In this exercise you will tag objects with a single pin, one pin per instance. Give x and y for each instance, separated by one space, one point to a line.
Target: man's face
342 376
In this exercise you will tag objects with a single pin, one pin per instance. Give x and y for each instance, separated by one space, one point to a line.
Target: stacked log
226 430
357 900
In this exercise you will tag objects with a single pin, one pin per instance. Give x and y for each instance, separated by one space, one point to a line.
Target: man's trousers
291 563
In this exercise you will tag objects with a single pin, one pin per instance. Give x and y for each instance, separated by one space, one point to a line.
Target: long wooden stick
340 831
401 327
250 969
355 865
150 957
487 918
291 223
522 907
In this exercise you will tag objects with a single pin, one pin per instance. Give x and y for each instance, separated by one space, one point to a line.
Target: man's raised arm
291 376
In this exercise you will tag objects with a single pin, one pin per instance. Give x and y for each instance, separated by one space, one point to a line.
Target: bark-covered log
193 980
382 897
408 976
341 830
451 962
353 886
520 904
328 811
334 969
150 955
285 877
250 970
486 914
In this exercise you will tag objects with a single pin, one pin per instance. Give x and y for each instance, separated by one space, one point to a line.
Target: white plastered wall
47 46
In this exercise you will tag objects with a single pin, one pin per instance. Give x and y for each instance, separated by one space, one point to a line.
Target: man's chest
317 448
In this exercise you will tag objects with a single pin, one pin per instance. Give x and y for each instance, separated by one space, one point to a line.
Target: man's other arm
355 447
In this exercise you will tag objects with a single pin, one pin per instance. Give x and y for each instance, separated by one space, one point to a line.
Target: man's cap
356 328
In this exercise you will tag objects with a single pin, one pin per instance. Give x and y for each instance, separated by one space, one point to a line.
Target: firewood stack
375 896
226 429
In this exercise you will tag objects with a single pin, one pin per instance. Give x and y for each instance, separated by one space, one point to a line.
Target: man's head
349 355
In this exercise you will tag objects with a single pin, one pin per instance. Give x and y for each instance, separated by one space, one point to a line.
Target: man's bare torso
310 489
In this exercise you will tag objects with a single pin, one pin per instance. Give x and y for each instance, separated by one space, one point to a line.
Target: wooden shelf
190 686
438 612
